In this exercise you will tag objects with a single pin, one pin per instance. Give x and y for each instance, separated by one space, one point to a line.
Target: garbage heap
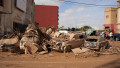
43 40
8 41
39 40
33 40
65 42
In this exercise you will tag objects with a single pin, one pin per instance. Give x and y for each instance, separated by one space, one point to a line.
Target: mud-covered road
57 60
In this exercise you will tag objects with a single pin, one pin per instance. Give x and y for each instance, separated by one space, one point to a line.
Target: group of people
108 35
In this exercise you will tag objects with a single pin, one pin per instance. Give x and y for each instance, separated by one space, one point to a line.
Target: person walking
111 35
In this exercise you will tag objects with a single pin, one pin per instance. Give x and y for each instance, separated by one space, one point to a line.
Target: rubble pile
43 40
7 42
112 50
34 39
66 42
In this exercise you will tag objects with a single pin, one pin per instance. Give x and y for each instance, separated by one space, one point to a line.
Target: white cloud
48 2
80 9
69 11
72 18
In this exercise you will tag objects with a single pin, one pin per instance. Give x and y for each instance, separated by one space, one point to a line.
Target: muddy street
58 60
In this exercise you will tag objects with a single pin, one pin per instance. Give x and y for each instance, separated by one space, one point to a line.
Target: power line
97 1
87 4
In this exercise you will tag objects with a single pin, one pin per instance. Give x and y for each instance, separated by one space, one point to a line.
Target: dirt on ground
114 43
60 60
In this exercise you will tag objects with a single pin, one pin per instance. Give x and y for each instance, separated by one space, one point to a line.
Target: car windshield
91 40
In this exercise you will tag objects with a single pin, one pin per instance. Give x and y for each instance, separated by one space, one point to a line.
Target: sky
77 15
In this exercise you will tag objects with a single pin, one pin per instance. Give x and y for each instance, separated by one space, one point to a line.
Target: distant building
46 15
118 15
15 15
112 18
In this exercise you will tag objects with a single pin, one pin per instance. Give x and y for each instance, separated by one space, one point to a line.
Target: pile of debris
32 40
111 50
46 39
7 42
66 42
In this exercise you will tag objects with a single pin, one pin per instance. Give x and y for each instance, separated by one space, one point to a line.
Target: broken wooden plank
32 47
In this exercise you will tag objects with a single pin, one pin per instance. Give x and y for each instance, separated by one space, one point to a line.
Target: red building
46 15
111 26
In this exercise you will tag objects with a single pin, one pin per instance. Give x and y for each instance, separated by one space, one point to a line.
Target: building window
15 2
107 16
1 2
21 5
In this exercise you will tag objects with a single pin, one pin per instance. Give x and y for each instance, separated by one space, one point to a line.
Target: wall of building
112 27
46 15
111 18
30 13
118 15
15 14
118 20
110 15
7 4
107 16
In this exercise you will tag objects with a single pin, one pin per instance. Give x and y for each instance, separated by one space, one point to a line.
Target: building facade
112 18
15 15
46 15
118 15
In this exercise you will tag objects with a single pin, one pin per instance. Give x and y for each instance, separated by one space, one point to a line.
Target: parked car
116 36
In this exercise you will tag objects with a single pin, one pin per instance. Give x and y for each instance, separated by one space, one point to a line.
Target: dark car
116 36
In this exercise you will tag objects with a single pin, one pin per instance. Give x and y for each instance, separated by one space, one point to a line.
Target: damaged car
96 43
70 43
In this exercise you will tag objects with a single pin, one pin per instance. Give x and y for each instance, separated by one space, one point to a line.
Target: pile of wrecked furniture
42 41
